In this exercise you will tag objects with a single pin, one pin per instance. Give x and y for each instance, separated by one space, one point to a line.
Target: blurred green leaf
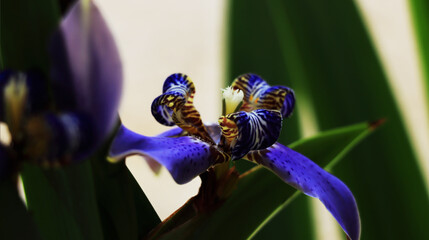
322 50
126 212
15 221
66 202
420 15
260 194
25 29
63 201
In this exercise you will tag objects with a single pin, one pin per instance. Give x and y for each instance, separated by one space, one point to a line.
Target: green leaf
63 201
323 51
25 29
126 212
260 194
420 15
15 221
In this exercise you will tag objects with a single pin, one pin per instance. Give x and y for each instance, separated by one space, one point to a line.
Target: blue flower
248 131
85 82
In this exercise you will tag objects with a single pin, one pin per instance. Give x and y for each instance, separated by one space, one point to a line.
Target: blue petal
303 174
175 106
248 131
184 157
252 85
177 88
259 95
87 68
278 98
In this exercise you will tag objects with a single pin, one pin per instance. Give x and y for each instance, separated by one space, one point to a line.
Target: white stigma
232 99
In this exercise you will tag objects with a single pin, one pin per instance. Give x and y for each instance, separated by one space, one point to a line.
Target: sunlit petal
303 174
184 157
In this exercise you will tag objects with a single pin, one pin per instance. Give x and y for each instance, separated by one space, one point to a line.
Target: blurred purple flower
248 131
86 82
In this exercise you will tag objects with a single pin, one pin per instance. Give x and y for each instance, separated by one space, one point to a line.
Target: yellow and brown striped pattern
259 95
178 96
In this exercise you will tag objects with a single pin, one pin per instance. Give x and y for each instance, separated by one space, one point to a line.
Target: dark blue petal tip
176 91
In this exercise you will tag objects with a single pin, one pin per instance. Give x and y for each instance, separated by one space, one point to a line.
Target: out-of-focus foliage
420 14
322 50
89 200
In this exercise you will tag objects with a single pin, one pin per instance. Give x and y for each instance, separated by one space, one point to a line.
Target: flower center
232 99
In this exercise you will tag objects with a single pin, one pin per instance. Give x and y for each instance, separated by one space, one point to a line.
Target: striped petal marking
176 106
259 95
246 131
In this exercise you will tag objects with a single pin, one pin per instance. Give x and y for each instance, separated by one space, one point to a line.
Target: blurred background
348 62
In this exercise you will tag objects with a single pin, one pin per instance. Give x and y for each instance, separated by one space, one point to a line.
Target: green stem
273 214
183 214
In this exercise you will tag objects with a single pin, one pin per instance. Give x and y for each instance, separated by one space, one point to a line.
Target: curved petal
177 132
259 95
176 106
154 165
184 157
246 131
86 67
175 93
303 174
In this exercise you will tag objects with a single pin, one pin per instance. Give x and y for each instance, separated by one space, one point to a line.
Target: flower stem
273 214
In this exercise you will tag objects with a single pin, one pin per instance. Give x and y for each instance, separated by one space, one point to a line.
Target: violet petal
184 157
94 70
306 176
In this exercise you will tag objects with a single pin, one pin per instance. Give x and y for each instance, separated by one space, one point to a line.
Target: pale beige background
156 39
